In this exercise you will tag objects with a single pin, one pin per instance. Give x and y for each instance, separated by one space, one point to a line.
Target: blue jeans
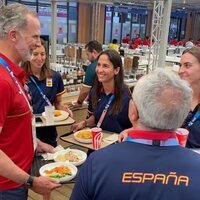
20 193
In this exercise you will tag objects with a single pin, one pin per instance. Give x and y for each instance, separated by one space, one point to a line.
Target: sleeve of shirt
83 187
90 75
6 99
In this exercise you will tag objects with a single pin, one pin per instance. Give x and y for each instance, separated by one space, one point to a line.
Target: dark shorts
20 193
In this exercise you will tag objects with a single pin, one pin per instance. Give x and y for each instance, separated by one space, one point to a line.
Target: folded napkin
111 139
49 156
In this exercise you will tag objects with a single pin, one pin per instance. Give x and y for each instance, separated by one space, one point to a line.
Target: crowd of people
185 43
143 165
138 41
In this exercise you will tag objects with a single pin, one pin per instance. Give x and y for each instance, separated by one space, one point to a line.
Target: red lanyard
151 135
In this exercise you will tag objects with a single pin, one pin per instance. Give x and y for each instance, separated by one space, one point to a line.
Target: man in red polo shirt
19 34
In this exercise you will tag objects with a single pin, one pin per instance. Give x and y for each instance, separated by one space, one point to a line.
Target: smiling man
19 35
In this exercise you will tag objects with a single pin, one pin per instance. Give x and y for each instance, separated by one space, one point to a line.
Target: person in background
190 71
93 49
149 164
114 45
146 41
126 39
173 42
181 43
189 43
136 42
43 80
109 95
197 43
19 35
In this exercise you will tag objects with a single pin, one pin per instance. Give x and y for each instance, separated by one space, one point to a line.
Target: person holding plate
110 98
19 35
46 88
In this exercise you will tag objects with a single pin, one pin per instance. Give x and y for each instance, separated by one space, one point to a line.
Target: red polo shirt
16 138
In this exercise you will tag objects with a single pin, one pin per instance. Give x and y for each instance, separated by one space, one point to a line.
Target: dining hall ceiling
176 4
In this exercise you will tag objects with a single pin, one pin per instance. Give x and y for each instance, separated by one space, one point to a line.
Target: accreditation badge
49 82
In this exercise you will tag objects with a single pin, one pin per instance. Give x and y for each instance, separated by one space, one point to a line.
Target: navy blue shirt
46 134
194 135
133 171
194 130
57 88
114 123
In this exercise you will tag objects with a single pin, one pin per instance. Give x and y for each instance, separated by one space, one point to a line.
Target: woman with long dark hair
109 96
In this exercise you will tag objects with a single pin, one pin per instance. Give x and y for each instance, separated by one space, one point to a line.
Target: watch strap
29 182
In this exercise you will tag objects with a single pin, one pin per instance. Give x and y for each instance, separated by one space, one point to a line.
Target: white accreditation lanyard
21 91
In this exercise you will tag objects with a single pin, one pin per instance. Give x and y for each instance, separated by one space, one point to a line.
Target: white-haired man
149 164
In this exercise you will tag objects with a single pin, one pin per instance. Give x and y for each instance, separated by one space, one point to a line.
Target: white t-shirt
189 44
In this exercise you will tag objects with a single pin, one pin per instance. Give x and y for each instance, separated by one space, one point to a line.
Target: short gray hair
163 100
14 16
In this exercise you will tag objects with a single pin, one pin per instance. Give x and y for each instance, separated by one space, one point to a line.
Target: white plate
64 115
50 166
82 140
80 154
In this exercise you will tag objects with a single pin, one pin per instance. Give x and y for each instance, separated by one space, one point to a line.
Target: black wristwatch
29 182
80 103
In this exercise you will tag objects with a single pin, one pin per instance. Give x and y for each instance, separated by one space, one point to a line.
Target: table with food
64 163
83 138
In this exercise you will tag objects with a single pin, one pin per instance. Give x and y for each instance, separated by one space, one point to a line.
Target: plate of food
73 156
84 136
59 115
60 171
